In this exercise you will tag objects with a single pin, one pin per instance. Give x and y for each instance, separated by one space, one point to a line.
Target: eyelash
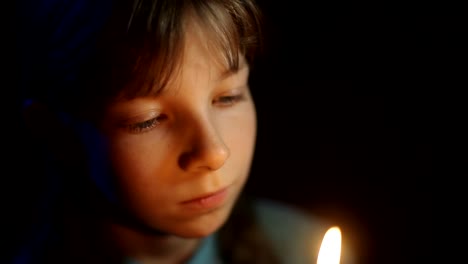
226 101
147 125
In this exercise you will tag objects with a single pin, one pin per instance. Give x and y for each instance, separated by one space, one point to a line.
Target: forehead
201 50
200 58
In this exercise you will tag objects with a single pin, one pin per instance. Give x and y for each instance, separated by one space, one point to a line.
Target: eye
228 100
146 125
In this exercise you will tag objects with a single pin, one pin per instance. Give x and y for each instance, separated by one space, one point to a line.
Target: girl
144 113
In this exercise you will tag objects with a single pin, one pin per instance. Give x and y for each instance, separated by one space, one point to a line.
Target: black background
345 114
344 123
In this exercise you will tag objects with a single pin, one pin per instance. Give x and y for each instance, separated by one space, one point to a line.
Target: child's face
193 139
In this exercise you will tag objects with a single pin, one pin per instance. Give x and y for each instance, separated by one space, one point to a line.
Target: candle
330 250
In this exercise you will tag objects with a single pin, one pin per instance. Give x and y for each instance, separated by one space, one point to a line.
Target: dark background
344 123
345 113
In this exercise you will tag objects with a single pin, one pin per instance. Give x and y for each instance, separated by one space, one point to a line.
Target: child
144 113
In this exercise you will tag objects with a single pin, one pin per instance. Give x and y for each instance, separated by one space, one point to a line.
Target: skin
194 138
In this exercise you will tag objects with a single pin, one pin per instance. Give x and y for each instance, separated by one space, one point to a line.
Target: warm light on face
330 250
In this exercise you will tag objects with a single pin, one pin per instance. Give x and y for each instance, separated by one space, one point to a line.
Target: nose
206 148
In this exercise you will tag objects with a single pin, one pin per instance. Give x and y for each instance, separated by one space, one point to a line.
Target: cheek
240 134
136 161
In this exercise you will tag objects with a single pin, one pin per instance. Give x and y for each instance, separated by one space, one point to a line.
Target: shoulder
294 233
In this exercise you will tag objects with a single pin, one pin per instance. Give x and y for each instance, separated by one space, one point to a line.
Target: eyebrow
243 66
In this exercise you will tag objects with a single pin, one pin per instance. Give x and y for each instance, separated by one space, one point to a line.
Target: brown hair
141 46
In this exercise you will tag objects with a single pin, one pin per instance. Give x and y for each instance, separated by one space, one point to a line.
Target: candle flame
330 250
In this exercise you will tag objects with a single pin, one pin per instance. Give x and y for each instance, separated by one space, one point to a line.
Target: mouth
208 201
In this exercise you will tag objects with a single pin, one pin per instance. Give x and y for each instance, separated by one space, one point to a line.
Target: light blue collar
206 253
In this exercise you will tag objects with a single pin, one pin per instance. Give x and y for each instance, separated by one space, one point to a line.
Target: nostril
184 160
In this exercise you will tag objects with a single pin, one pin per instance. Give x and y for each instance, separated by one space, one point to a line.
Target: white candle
330 250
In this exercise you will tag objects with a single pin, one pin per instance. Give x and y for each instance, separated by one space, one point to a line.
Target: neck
149 248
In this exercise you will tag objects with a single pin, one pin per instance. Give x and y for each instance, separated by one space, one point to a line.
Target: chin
204 225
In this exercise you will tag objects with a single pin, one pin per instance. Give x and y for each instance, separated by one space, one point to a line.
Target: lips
208 201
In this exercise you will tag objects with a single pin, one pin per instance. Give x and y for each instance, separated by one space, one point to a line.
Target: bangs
146 50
